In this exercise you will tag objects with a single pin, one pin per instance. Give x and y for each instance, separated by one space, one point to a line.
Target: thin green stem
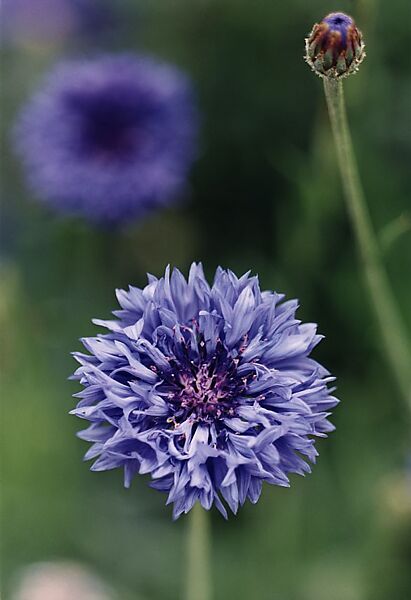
393 331
198 583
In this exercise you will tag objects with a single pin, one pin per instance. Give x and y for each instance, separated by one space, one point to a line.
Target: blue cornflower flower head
335 47
209 389
110 138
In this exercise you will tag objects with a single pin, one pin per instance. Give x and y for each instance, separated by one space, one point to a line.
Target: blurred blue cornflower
211 390
28 22
109 138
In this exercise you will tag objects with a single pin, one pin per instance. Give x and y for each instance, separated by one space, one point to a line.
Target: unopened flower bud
335 47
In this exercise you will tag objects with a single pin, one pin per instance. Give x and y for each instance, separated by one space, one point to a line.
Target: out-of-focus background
264 195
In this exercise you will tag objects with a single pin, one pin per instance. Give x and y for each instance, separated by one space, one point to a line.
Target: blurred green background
265 195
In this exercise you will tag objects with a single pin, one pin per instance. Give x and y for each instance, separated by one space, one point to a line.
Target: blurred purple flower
110 138
31 20
39 21
211 390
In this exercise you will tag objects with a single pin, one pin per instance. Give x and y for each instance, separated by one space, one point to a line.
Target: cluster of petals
210 390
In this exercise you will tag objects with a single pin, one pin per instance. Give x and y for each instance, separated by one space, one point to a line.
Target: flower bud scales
335 48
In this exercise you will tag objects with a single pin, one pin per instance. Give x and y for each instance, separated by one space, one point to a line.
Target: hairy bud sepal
335 48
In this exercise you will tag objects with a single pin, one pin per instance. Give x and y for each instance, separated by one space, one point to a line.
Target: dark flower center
205 392
109 122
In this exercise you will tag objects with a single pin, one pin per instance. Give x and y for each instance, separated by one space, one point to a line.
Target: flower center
205 393
108 122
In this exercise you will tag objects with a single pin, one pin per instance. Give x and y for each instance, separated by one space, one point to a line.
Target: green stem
392 329
198 555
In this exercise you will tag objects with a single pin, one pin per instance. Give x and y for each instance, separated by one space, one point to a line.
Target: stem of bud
392 329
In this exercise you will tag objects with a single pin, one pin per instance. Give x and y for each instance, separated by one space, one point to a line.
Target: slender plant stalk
198 555
392 329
